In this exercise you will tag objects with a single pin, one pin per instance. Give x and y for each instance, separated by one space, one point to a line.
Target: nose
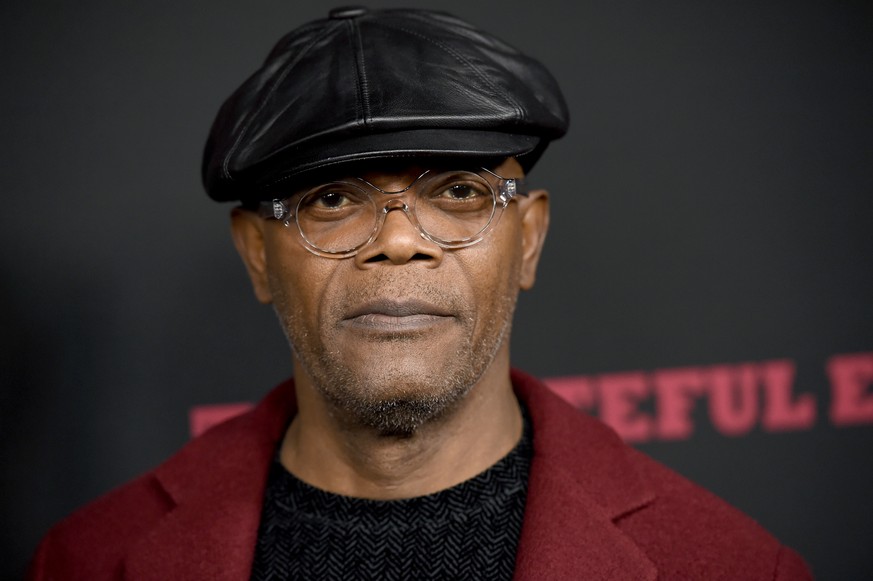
399 241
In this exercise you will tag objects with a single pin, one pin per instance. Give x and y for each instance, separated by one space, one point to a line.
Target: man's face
399 333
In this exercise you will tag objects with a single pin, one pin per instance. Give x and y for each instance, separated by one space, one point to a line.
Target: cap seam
244 131
463 60
359 105
363 84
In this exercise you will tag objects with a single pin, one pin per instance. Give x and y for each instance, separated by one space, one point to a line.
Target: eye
329 200
332 202
461 192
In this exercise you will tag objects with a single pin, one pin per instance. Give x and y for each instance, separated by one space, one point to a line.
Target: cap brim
284 166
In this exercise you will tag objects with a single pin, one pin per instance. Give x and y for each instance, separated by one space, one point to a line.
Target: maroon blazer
596 510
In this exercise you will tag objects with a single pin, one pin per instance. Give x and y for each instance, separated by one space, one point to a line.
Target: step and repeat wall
706 287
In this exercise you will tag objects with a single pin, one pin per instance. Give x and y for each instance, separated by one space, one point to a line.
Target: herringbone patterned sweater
469 531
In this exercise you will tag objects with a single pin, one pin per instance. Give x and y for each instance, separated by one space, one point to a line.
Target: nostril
383 257
377 258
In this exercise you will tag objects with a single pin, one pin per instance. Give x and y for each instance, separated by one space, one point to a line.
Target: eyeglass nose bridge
397 203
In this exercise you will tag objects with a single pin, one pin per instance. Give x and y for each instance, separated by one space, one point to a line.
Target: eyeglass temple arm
509 187
275 209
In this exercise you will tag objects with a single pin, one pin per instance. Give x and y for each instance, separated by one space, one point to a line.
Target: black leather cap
368 84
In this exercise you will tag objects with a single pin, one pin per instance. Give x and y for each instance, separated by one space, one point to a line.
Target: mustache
403 295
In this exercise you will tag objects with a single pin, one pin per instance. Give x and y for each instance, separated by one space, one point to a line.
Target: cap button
347 12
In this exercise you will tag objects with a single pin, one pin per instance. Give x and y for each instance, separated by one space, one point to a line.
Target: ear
247 230
534 224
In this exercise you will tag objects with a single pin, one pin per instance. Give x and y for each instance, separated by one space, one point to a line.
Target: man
378 158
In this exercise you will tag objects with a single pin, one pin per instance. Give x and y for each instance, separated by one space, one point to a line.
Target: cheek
505 251
297 278
493 271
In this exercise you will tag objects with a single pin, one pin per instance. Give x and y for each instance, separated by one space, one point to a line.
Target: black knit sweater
469 531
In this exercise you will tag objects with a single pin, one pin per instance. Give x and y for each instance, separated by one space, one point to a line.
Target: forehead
390 173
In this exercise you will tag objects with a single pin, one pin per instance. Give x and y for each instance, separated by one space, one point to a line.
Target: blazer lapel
580 483
217 484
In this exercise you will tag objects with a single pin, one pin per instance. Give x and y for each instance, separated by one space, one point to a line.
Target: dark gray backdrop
712 204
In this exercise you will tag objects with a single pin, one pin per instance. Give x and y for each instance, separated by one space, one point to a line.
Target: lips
396 316
392 308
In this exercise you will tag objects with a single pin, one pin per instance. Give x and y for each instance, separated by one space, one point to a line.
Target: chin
393 403
400 418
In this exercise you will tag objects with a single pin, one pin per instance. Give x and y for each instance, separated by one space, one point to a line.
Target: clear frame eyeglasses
453 209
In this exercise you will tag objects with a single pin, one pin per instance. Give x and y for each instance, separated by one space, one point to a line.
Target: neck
328 453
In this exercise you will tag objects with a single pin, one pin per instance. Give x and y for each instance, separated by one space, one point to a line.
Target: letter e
851 375
619 395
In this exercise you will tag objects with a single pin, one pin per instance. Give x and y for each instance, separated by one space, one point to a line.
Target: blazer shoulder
694 534
90 543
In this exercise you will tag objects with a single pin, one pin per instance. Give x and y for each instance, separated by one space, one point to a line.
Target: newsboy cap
368 84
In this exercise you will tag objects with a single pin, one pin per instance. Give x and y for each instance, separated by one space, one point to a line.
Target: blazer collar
581 482
216 486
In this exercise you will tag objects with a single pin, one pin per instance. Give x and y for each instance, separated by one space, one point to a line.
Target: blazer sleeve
38 570
790 567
